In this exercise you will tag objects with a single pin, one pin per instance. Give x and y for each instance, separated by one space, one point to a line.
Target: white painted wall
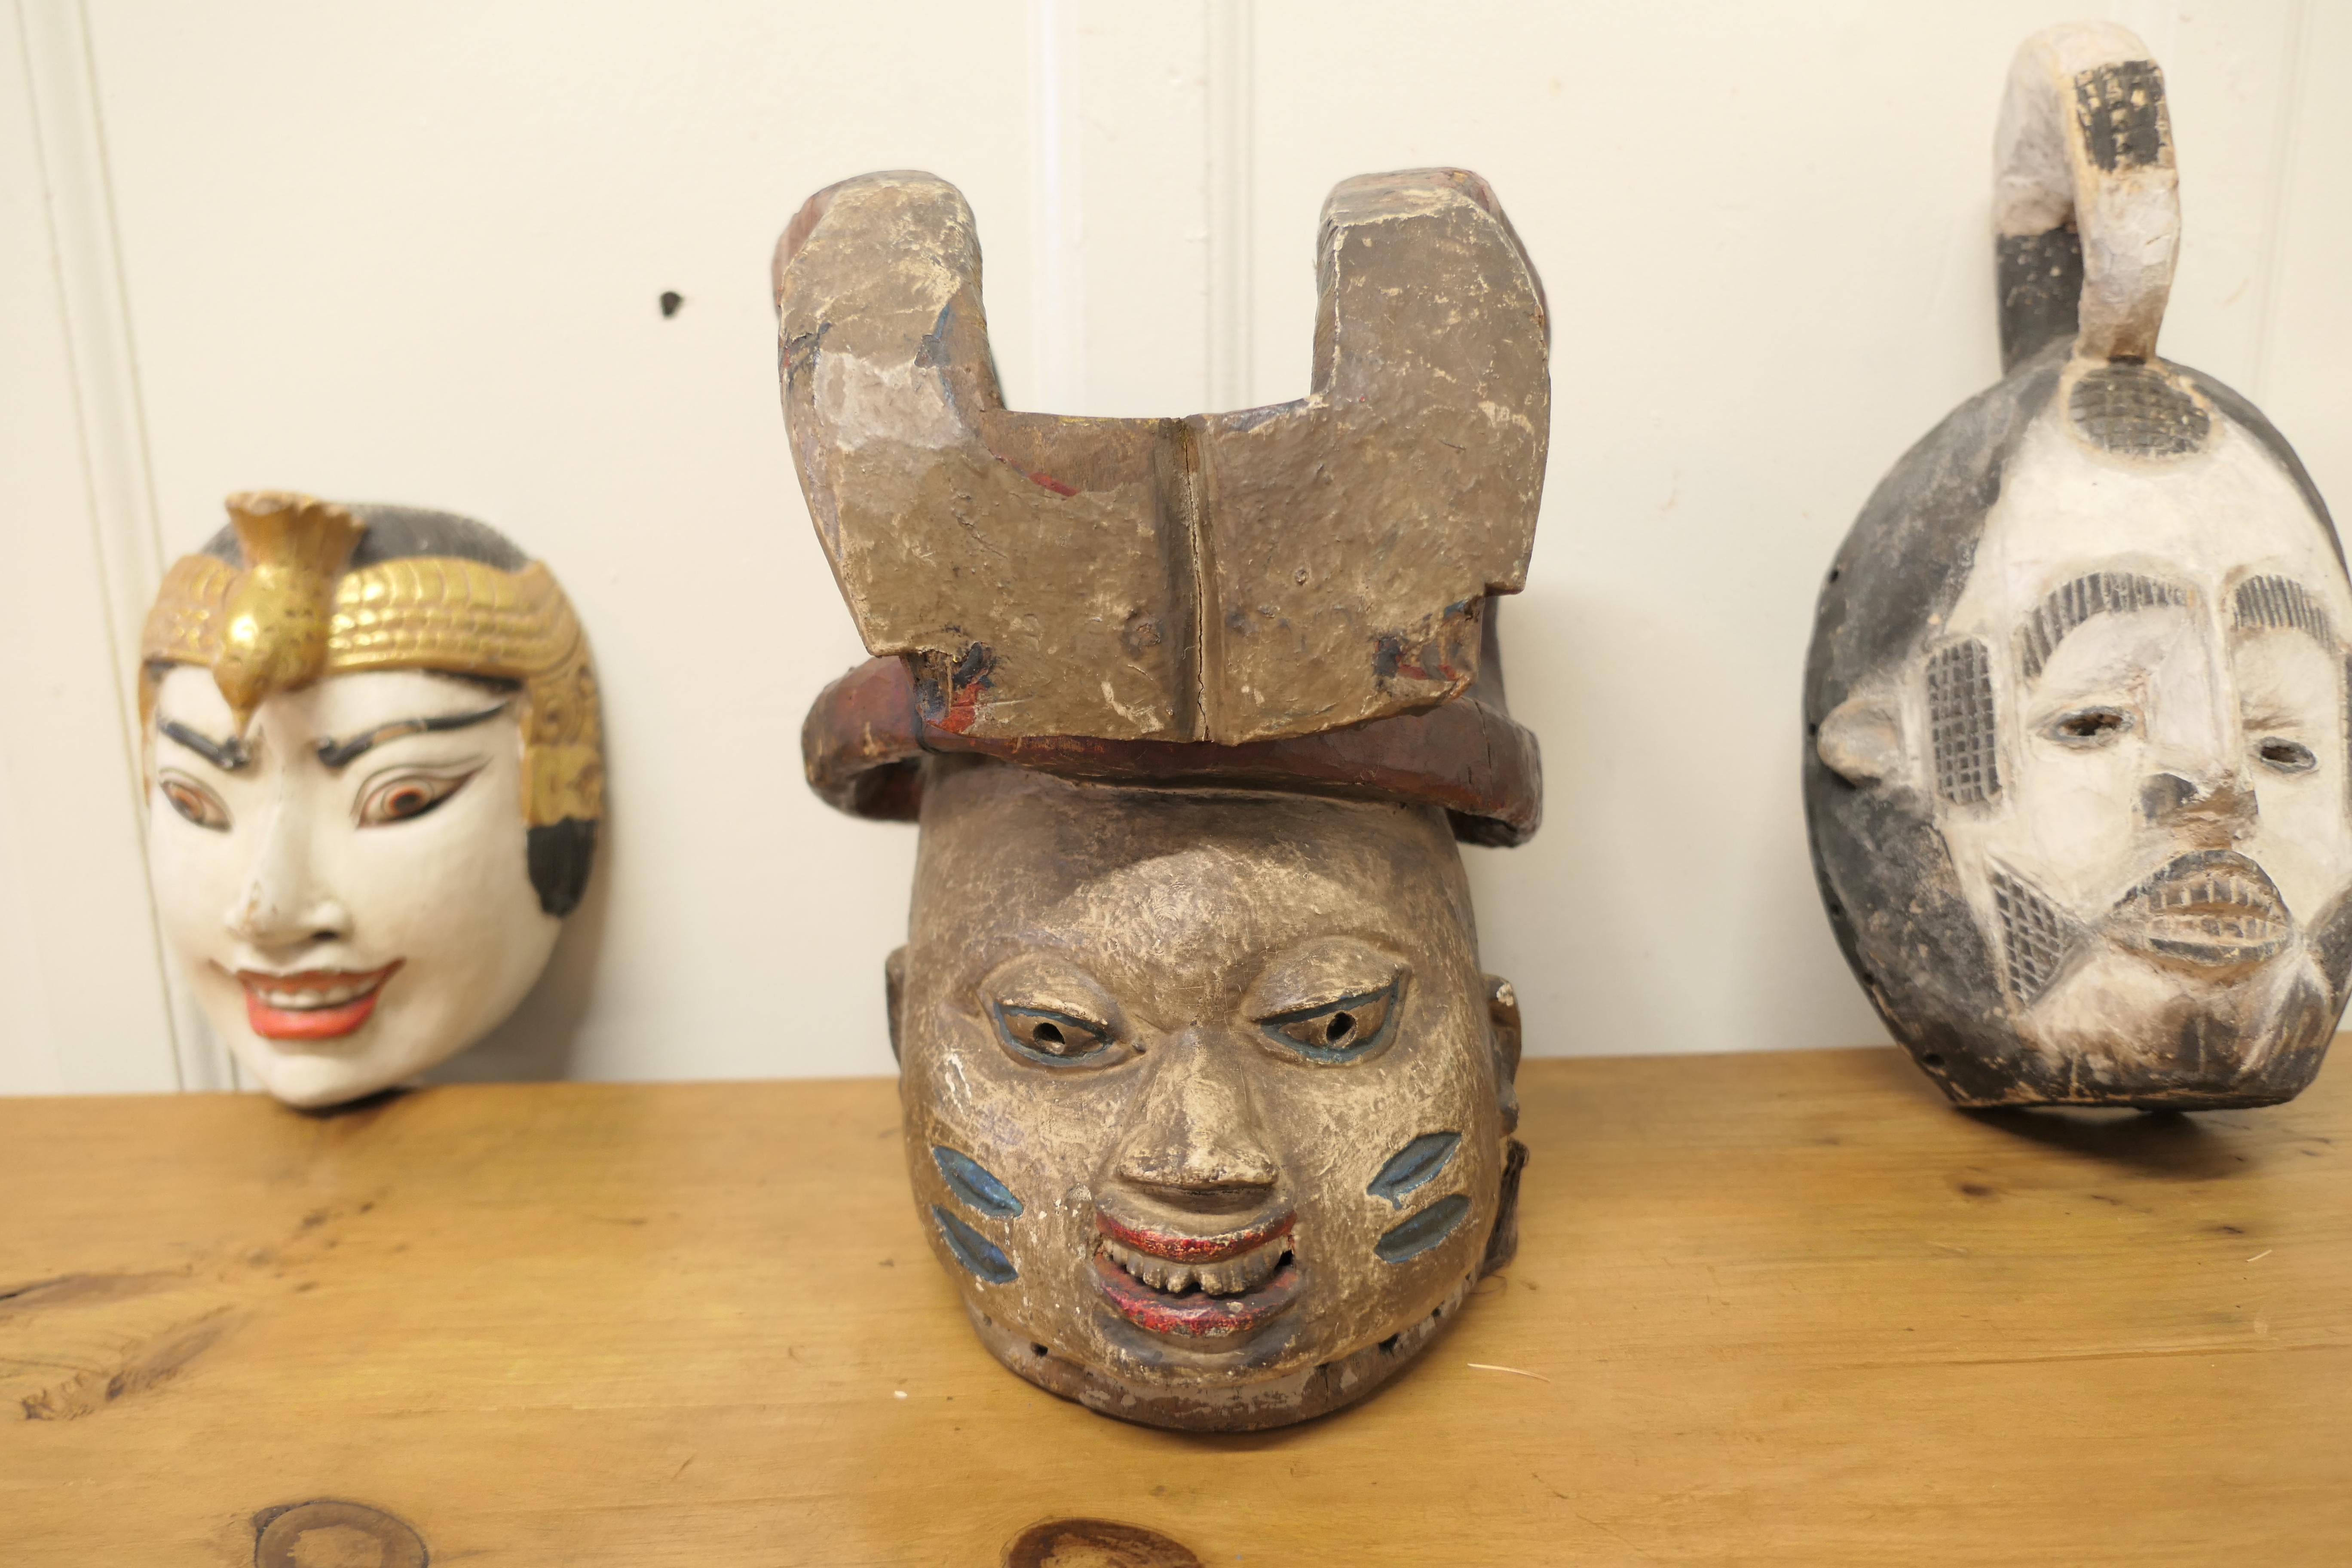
412 253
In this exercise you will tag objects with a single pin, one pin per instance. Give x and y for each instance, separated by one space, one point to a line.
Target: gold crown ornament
296 612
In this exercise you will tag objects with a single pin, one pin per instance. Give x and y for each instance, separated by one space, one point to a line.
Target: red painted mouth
1194 1249
1193 1312
313 1004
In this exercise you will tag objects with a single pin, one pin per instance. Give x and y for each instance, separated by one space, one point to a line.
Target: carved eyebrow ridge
227 755
2094 593
342 754
2283 602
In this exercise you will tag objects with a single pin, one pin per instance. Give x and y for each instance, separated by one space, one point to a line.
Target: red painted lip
1194 1249
272 1022
1194 1314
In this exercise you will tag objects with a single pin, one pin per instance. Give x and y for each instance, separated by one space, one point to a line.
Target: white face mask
2165 645
349 911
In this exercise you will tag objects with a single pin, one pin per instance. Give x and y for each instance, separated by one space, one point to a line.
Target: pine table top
1782 1308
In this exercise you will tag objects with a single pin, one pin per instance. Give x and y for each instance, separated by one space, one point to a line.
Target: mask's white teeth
1233 1276
310 997
1238 1276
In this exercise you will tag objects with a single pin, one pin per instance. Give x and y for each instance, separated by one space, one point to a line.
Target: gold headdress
293 614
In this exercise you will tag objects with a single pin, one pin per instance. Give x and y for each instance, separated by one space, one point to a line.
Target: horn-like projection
2086 201
1225 577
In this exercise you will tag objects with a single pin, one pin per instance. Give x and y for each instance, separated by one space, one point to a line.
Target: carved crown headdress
1297 596
298 589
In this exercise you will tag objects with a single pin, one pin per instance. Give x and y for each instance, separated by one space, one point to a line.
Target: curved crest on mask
1228 577
2086 200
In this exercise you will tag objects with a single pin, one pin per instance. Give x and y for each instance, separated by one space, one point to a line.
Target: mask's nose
282 905
2197 780
2168 799
1194 1137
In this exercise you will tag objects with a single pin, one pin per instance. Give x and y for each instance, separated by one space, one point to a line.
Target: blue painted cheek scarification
1423 1230
1414 1165
973 1251
974 1183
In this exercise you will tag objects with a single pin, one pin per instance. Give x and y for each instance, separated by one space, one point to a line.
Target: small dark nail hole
1039 1349
1931 1060
670 300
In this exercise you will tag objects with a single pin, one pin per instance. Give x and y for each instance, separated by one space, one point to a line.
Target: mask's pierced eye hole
194 802
2286 756
1045 1035
403 797
2091 727
1336 1031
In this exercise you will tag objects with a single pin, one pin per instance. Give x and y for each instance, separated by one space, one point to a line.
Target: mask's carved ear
1861 741
894 991
1503 1011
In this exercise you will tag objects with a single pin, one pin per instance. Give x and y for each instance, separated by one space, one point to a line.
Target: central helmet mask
1208 1106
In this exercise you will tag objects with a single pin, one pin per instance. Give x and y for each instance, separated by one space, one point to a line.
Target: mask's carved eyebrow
227 755
341 755
2283 602
2094 593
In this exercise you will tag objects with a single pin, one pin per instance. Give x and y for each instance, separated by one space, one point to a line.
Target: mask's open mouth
1212 1286
2212 907
313 1003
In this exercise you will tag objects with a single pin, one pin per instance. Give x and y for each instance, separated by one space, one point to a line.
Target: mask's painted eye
2286 756
2091 727
1337 1031
1054 1037
403 797
194 801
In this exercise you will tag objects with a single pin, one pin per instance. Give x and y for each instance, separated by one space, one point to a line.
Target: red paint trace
1179 1248
276 1023
1194 1313
964 707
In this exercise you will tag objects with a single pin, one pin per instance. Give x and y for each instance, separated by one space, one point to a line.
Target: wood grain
1775 1308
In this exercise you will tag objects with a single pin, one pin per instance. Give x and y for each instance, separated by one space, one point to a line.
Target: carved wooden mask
1207 1103
375 776
2076 763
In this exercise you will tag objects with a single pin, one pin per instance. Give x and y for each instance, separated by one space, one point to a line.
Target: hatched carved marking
2095 593
1959 722
2138 412
2034 937
2283 602
2120 108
